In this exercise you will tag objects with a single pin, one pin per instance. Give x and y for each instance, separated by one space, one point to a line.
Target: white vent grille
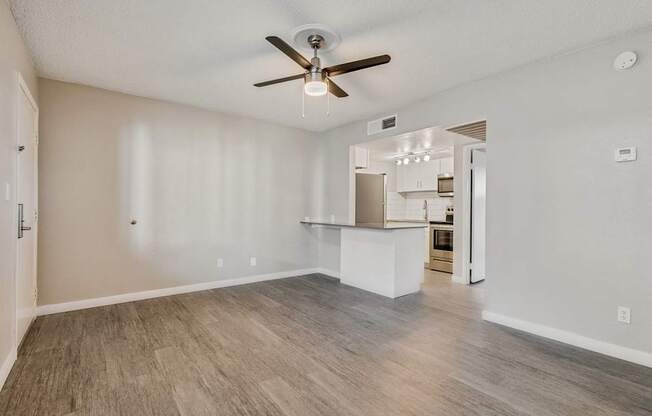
382 124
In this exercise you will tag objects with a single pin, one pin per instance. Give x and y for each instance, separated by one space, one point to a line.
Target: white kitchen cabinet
361 157
417 177
406 178
428 175
446 165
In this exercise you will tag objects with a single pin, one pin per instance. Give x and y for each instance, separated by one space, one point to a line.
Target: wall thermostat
625 60
625 154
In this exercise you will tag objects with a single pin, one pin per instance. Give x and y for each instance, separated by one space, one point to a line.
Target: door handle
21 221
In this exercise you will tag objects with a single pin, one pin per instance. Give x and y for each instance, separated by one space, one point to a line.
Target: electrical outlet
220 263
624 314
252 261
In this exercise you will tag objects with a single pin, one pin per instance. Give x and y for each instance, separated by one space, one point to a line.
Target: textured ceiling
208 53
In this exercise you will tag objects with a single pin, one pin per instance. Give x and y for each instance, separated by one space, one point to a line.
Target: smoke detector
625 60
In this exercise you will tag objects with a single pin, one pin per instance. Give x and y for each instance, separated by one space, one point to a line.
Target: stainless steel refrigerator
370 198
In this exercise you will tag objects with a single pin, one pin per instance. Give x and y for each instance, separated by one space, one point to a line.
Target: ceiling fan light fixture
315 85
315 88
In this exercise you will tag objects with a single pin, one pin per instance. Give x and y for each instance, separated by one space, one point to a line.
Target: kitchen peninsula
383 258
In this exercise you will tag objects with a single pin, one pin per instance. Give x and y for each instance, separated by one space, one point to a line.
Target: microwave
445 184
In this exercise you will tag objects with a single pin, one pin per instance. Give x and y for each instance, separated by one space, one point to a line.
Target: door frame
466 210
24 90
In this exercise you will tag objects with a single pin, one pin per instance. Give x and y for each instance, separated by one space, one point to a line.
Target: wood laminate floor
310 346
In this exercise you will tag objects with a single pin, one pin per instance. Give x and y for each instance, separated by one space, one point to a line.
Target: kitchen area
410 179
401 218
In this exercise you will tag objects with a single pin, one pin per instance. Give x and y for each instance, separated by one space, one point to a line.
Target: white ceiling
435 140
208 53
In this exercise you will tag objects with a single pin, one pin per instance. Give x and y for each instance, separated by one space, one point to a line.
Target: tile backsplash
409 206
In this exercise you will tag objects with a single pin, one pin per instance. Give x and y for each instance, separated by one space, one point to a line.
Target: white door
478 213
26 196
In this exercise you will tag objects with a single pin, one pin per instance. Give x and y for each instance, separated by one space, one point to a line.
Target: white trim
27 92
465 278
156 293
7 365
612 350
328 272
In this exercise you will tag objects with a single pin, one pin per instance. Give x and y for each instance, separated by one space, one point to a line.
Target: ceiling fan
317 80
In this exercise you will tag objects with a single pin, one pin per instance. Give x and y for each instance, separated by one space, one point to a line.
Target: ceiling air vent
476 130
382 124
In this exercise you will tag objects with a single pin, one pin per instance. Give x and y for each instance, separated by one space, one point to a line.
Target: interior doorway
478 222
26 209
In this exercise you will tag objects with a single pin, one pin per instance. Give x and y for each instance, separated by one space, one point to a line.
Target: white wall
568 229
202 186
14 58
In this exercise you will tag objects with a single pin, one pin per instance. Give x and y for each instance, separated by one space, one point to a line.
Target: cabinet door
408 178
428 175
447 165
400 179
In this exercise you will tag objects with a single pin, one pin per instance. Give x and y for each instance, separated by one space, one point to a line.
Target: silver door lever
21 221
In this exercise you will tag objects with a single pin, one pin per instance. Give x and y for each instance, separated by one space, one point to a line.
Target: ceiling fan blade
279 80
336 90
289 51
357 65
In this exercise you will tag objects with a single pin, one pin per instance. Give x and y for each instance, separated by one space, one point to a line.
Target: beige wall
201 185
14 58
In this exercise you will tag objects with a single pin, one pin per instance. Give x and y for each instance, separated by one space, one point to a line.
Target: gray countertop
373 225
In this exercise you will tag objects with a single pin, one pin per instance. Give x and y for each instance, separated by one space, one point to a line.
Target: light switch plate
625 154
7 192
220 263
624 315
252 261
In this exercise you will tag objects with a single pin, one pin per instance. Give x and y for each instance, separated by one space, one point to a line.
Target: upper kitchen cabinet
446 165
361 158
427 172
421 177
407 178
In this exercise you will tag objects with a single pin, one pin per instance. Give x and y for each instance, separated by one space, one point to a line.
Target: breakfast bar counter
383 258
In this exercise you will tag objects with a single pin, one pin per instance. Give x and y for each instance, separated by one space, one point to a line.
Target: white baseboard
156 293
328 272
612 350
6 367
459 279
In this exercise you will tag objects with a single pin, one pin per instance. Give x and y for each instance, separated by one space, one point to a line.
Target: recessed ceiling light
417 159
406 161
426 158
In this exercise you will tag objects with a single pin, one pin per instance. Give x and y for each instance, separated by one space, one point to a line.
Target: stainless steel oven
445 184
441 246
